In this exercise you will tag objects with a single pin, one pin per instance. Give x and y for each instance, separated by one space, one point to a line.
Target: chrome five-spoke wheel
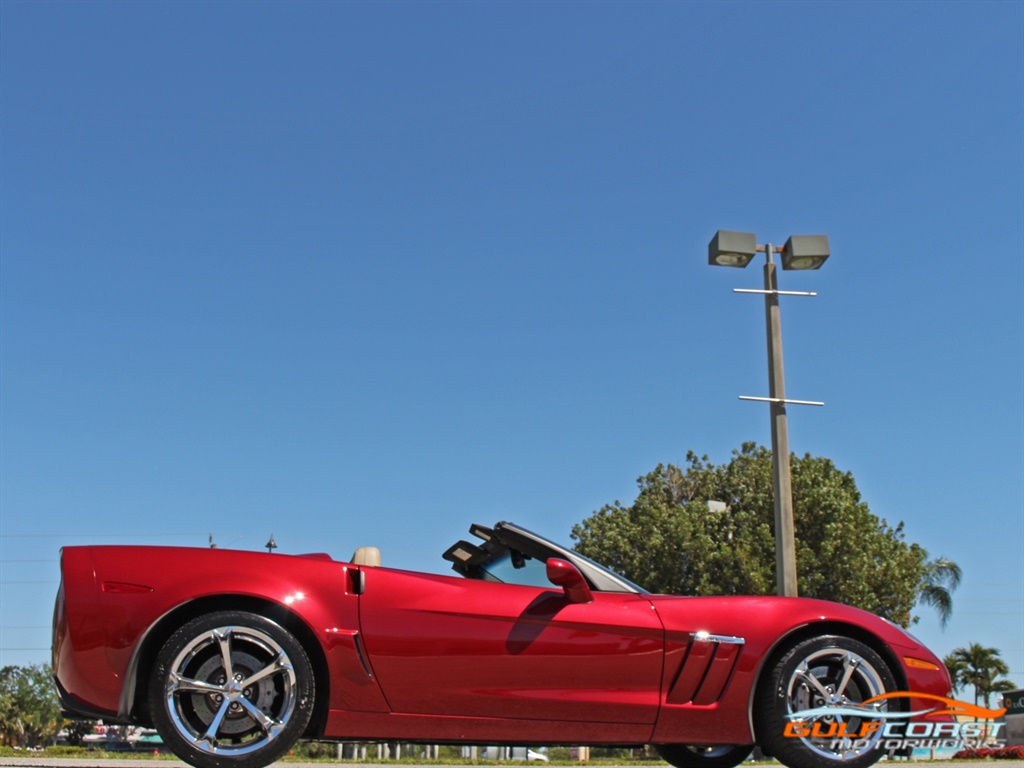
819 689
231 689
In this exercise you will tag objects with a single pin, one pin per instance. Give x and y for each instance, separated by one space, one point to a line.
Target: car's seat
366 556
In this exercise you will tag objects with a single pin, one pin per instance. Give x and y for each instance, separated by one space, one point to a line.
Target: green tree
941 578
956 667
669 539
979 667
29 709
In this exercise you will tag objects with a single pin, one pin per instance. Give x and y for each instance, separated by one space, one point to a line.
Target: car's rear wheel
704 755
231 690
828 678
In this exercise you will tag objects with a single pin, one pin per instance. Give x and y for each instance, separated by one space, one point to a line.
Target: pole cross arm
775 293
783 400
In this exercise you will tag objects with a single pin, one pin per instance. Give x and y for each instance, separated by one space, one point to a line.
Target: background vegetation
670 541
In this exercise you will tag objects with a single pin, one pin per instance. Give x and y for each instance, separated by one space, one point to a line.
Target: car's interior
366 556
511 554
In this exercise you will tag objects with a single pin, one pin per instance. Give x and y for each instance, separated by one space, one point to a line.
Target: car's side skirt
477 730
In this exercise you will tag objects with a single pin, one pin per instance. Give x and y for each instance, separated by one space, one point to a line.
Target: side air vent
705 671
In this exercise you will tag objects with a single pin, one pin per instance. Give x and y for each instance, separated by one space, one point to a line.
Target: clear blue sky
365 273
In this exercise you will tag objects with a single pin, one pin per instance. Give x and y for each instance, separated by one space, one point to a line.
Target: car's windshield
523 570
531 572
511 554
612 573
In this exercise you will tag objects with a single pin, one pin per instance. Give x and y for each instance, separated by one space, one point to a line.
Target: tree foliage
29 710
941 578
979 667
669 541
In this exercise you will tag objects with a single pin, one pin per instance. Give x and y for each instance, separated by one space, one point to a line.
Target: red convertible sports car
232 656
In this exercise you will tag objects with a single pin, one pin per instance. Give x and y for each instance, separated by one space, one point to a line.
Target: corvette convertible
233 656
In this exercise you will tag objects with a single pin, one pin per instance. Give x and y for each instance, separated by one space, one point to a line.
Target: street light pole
737 249
785 535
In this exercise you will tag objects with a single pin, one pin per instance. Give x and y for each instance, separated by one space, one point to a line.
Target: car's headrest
366 556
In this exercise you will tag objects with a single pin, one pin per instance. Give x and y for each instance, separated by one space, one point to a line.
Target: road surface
85 762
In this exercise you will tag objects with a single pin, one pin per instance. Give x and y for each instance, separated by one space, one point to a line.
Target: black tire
704 756
811 675
231 690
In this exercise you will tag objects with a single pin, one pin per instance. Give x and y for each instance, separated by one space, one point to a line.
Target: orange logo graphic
952 706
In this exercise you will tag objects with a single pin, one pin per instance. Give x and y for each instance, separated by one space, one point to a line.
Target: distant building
1014 703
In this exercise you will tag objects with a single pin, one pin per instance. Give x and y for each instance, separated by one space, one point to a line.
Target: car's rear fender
119 605
133 706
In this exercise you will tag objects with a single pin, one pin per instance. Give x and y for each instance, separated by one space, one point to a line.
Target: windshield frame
505 539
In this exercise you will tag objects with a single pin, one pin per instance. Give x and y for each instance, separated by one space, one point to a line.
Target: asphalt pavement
85 762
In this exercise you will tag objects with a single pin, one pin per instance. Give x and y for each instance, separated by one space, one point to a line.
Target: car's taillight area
60 624
83 674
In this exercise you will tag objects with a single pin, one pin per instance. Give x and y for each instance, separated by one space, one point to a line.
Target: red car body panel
452 646
111 597
442 658
698 708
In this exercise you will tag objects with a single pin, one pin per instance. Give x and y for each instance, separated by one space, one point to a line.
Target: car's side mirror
564 574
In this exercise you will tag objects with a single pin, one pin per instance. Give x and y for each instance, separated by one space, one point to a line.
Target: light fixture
737 249
732 249
805 252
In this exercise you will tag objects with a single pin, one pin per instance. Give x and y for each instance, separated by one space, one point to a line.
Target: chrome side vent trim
358 642
707 637
706 670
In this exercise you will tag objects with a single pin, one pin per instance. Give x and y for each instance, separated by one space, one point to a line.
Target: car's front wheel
810 710
704 756
231 689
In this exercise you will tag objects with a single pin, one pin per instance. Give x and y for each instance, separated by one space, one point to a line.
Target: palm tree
978 666
956 668
941 578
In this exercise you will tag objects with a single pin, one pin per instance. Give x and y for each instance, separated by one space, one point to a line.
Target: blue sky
366 273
